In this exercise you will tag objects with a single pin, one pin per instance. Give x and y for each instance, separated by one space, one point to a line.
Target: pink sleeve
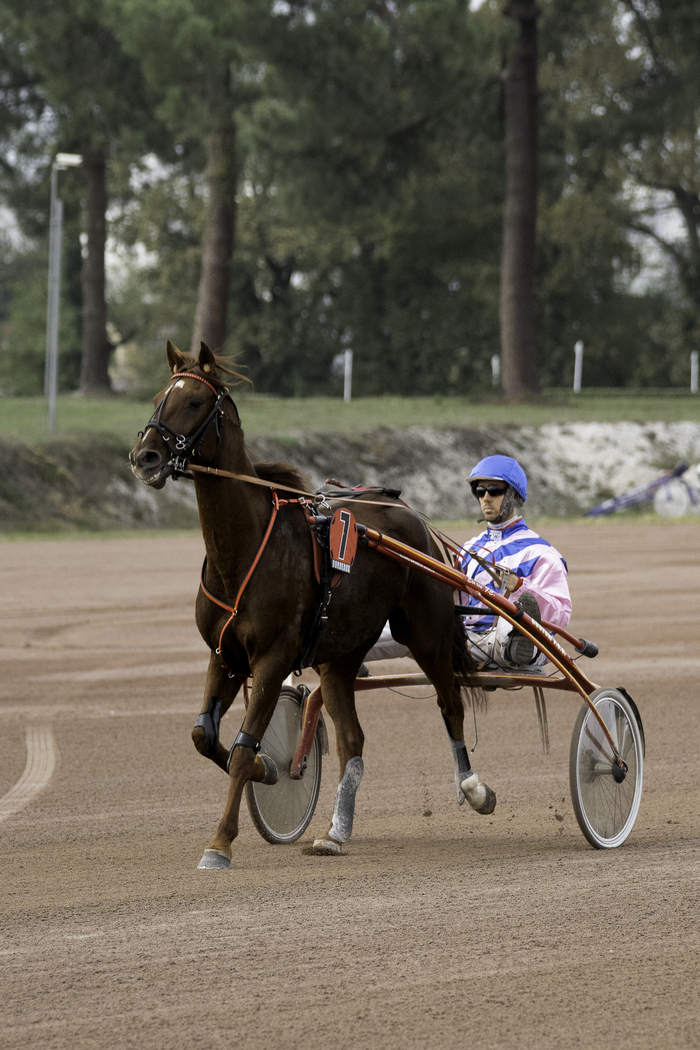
549 584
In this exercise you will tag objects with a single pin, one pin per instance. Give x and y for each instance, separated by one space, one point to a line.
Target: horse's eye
194 403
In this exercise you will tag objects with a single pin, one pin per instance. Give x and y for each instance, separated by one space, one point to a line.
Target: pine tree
99 104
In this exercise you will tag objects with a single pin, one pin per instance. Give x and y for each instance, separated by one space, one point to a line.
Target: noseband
188 446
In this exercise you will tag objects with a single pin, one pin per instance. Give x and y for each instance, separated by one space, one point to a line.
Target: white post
54 308
347 375
694 372
495 369
62 161
54 274
578 365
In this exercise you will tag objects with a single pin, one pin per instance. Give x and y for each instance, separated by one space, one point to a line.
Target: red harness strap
191 375
233 609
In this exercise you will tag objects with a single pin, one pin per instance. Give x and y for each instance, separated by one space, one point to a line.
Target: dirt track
441 930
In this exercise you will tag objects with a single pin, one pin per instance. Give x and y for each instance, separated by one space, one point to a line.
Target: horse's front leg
243 762
219 693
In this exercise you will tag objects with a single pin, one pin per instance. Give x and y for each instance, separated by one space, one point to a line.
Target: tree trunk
94 377
689 205
217 245
518 341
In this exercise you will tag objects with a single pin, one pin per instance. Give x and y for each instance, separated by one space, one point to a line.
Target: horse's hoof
271 774
479 796
198 739
214 858
326 847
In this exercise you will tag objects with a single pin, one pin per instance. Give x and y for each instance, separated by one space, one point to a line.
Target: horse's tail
465 668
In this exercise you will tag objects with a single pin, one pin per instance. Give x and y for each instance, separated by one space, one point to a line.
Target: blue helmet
501 468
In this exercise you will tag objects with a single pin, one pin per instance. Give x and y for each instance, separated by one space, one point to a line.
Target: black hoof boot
205 735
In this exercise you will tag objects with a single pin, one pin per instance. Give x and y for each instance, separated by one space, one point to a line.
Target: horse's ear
207 361
175 358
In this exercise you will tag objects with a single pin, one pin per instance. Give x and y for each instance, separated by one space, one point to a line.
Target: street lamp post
62 161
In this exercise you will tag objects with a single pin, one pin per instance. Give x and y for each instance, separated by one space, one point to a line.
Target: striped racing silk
518 548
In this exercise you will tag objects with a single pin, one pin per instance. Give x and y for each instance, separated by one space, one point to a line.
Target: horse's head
187 419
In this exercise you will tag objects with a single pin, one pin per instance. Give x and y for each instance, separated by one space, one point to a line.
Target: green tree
27 127
620 86
196 56
369 197
99 105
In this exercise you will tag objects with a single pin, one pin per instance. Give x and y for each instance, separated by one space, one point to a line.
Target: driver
537 580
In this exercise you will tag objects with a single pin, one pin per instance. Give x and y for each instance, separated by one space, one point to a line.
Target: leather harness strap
317 554
192 375
233 609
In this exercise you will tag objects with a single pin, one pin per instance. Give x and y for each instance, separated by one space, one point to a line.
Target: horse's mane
282 474
222 368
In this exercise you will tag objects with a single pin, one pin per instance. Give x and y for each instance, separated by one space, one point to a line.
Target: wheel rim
672 499
286 808
609 809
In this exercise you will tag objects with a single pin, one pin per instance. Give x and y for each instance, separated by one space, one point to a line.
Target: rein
275 485
189 446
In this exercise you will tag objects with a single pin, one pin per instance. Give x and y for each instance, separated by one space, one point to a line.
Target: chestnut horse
276 608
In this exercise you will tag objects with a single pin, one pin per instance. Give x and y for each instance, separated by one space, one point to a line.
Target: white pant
490 646
484 646
386 648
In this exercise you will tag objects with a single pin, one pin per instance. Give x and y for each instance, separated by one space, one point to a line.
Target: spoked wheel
606 801
282 812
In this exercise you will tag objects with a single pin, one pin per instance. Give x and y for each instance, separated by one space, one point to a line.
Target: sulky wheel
282 812
606 801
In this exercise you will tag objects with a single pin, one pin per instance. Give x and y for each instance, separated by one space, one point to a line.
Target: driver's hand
512 582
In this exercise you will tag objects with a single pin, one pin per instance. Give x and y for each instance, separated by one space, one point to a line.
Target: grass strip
25 419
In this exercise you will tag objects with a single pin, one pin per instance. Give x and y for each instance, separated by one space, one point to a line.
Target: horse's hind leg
339 699
435 659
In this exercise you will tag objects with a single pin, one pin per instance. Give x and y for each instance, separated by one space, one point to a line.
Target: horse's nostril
148 459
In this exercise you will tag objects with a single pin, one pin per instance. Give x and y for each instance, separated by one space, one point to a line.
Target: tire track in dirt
42 755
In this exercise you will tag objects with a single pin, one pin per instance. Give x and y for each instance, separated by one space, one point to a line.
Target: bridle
188 446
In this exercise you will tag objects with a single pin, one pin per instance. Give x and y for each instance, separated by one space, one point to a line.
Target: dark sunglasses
493 490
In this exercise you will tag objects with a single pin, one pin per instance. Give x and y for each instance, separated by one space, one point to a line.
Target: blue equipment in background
642 494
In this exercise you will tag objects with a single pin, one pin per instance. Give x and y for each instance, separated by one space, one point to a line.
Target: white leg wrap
462 767
473 791
479 796
344 812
